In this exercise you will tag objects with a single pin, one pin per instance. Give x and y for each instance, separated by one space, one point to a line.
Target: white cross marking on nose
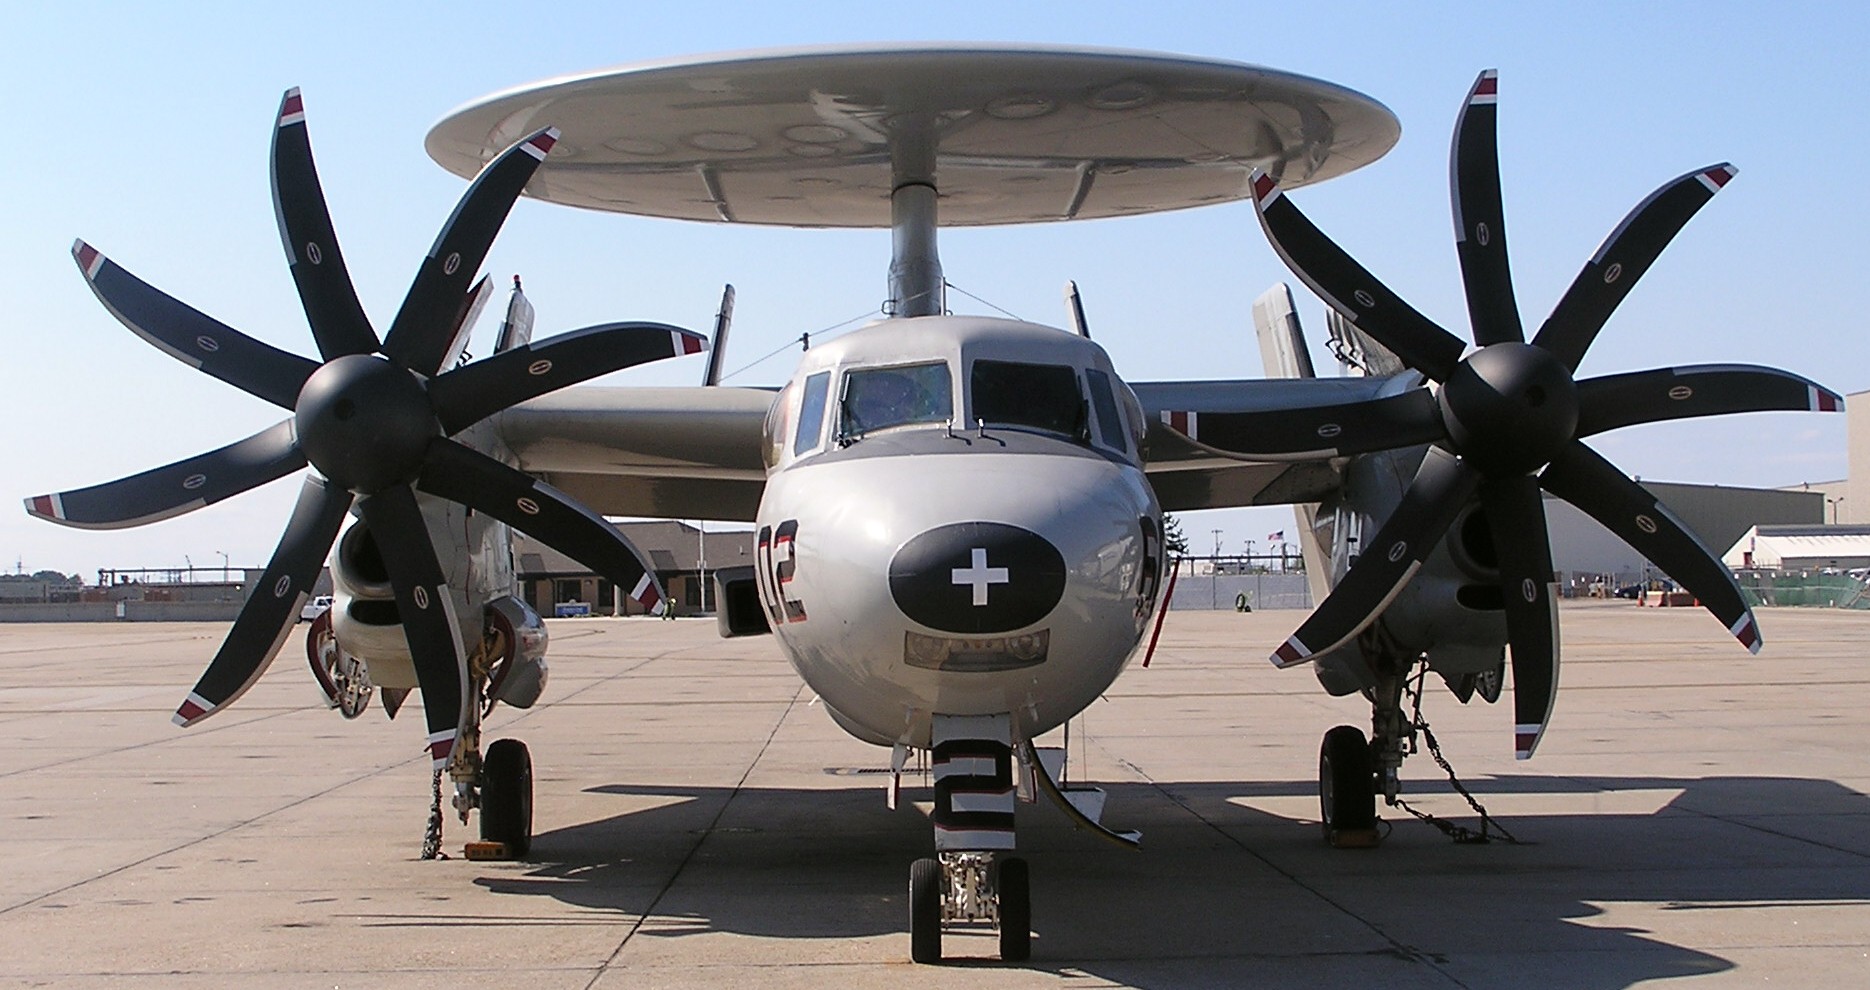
980 575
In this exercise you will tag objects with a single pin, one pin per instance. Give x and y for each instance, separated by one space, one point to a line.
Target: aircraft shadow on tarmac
1225 887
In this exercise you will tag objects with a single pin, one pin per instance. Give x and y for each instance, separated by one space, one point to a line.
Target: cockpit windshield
879 398
1012 393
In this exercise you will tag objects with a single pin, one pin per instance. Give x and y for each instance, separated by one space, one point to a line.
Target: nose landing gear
969 888
964 883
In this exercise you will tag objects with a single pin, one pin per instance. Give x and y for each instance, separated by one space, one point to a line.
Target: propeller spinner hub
1509 408
365 423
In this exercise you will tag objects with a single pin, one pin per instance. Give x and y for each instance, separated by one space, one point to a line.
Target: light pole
1834 508
701 560
224 567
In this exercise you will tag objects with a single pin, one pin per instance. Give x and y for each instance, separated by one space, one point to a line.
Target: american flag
1279 537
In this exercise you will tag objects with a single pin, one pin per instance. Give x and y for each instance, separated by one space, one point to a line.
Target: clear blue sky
144 129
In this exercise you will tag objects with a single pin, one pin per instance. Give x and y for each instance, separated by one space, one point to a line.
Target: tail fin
1359 351
1282 347
516 329
1282 350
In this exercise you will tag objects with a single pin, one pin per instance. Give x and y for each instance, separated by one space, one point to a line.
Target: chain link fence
1811 589
1239 592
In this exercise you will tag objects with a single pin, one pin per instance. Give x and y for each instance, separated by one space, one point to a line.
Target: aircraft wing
683 452
694 452
1187 475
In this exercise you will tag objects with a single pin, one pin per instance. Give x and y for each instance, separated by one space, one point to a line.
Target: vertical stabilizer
1282 350
516 329
1358 351
1282 347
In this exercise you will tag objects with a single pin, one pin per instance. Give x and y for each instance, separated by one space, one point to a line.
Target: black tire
506 797
925 890
1346 782
1015 887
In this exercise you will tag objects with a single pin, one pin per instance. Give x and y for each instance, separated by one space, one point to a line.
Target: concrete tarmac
1695 814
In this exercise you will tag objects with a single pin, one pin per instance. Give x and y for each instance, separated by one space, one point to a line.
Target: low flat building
1801 548
674 550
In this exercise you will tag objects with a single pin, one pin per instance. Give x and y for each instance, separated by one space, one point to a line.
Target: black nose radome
977 577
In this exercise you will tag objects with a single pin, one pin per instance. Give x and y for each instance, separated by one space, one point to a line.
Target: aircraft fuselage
956 522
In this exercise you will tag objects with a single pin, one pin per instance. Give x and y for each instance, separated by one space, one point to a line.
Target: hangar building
1584 552
1843 507
1802 548
548 578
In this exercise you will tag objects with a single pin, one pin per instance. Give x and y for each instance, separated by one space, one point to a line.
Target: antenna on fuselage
1075 304
723 321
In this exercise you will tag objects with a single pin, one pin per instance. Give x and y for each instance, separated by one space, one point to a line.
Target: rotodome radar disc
1020 134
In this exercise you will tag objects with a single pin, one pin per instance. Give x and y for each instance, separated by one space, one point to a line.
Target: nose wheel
1015 910
969 888
926 885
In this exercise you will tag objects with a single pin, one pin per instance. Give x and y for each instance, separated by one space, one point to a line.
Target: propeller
374 419
1505 418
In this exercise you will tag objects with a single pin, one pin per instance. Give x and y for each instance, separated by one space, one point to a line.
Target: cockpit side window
1104 400
811 412
879 398
1012 393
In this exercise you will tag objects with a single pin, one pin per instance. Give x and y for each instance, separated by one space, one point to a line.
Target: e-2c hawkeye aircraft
959 519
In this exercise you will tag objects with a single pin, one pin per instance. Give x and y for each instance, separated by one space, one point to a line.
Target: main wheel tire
925 890
1346 783
506 796
1014 885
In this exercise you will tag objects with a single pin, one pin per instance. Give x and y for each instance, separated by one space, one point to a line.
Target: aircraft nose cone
977 578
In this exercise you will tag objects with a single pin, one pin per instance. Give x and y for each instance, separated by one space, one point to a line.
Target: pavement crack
1397 948
650 909
206 837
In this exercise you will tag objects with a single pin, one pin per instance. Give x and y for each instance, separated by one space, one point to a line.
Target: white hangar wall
1717 514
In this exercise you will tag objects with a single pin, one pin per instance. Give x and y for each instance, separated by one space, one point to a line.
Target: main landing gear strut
1352 771
499 784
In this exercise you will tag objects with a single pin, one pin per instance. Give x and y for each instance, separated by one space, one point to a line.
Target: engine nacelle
1450 610
516 673
475 554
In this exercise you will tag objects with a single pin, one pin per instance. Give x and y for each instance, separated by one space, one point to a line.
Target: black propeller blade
471 393
421 333
1503 413
374 421
325 290
1429 506
273 608
1349 288
1623 258
1302 433
1515 511
1612 401
426 606
173 489
1479 218
192 337
1581 476
535 508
